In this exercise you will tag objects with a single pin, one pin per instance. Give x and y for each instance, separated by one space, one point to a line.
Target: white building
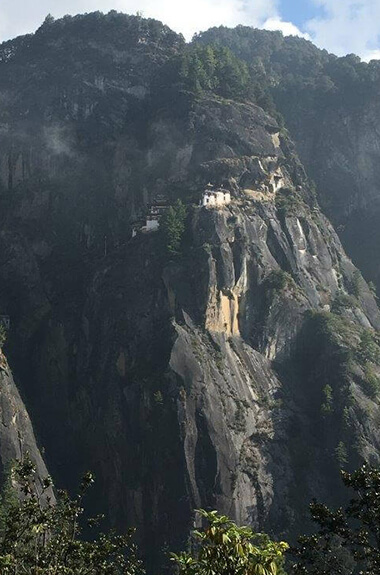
215 198
152 221
157 210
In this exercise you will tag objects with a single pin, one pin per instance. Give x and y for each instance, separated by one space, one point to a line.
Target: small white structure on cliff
157 210
277 181
155 213
152 223
214 198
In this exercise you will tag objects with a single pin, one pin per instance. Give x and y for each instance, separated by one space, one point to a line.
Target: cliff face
240 375
330 107
212 378
16 432
340 149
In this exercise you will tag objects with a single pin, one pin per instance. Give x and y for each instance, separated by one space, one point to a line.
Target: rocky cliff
340 148
241 374
17 438
330 106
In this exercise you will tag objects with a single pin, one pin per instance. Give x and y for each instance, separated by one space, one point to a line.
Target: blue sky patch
299 11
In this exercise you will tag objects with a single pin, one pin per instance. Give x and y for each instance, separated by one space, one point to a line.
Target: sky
339 26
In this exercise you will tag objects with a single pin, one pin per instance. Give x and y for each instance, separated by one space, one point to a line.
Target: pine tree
173 227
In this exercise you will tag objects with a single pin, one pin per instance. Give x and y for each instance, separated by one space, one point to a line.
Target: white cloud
195 15
371 55
187 17
347 26
287 28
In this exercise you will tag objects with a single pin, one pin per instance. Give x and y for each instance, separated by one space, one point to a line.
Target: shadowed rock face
234 376
340 149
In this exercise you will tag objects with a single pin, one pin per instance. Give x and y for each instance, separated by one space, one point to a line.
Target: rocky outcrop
331 109
17 438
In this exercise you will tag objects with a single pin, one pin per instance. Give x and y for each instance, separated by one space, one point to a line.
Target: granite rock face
340 148
17 438
330 107
211 378
235 376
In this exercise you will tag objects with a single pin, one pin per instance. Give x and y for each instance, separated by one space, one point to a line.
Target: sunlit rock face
330 107
17 439
233 376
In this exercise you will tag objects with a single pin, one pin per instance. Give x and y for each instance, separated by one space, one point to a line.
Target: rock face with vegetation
330 106
238 371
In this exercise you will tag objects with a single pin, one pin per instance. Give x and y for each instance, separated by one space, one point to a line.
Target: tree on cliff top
214 69
49 19
223 548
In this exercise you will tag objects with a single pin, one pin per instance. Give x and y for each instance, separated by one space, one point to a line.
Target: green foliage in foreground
223 548
348 540
41 536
